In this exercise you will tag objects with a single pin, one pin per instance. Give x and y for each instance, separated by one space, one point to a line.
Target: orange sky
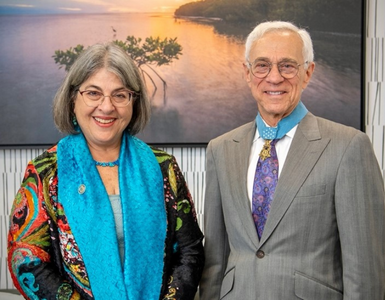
146 5
100 6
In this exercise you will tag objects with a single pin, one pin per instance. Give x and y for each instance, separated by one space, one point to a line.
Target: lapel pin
81 189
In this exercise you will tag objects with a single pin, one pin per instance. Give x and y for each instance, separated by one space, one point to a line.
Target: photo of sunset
199 94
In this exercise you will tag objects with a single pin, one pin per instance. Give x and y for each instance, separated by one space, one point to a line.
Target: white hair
262 28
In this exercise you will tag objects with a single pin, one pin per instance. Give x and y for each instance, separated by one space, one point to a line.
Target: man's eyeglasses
119 98
287 69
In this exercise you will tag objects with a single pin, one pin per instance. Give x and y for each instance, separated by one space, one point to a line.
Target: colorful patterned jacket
46 265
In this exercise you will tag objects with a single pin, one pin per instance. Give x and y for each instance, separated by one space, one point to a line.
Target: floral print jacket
42 266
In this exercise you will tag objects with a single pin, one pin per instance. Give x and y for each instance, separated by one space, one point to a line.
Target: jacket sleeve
216 242
359 200
187 256
32 270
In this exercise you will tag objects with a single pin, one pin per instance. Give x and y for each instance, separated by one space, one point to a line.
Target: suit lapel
239 149
305 150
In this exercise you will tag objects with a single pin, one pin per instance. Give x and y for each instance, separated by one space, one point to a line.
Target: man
304 217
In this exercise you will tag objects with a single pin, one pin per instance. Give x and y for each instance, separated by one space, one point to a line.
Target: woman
101 215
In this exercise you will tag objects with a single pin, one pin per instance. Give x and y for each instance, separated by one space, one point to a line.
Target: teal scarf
90 217
284 126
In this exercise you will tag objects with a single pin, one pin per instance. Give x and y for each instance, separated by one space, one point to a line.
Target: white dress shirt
282 147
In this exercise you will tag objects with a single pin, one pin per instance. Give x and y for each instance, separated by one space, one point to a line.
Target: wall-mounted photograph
190 53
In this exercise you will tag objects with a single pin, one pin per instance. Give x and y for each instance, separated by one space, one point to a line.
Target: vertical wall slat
12 166
374 71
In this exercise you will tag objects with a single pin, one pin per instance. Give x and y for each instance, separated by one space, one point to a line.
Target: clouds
24 5
69 9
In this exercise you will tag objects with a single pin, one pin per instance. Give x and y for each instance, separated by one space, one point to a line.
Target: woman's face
103 125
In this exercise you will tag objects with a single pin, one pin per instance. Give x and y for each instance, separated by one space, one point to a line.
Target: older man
294 205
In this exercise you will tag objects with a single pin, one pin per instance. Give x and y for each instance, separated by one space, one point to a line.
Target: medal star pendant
265 152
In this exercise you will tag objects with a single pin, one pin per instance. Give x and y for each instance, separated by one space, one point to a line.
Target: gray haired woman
102 215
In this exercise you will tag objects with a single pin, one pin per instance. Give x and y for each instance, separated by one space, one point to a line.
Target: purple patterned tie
265 181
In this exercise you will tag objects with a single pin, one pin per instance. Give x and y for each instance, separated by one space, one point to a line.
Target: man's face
277 96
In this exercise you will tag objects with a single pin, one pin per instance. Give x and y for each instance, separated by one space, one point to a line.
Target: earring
74 121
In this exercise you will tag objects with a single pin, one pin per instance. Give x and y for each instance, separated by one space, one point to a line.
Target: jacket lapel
305 150
239 149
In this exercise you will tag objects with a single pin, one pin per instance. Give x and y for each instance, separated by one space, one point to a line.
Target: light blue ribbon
284 126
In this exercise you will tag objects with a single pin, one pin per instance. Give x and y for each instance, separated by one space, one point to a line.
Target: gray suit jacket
324 238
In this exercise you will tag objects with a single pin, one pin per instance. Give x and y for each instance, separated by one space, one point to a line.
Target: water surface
206 92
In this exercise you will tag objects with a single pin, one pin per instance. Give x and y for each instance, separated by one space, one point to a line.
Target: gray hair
94 58
262 28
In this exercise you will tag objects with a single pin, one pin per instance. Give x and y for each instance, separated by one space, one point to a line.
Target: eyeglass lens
261 69
95 98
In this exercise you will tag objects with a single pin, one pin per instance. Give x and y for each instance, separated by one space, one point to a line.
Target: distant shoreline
199 19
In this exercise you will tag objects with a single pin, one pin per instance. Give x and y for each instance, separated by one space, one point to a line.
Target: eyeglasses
287 69
119 99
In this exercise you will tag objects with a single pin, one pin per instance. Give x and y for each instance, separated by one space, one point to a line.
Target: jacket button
260 254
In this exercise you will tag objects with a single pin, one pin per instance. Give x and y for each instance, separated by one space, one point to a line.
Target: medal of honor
265 152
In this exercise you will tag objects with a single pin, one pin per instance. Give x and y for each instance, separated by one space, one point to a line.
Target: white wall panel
374 77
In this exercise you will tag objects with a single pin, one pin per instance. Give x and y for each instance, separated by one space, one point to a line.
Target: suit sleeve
187 257
33 272
216 242
360 213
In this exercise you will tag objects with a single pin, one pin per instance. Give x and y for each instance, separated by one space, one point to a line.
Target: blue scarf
284 126
90 217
